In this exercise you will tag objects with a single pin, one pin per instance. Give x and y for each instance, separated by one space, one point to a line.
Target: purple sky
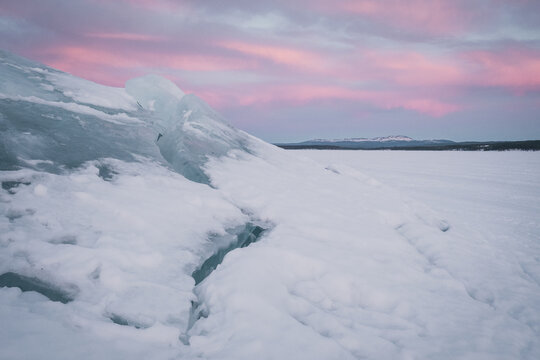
299 69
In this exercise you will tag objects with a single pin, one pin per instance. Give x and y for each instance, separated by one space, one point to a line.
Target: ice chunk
157 94
198 133
24 77
189 131
77 122
50 115
34 130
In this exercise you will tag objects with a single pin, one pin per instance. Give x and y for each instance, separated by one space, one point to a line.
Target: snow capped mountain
136 223
380 139
392 141
393 138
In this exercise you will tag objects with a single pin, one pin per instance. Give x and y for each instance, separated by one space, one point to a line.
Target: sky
291 70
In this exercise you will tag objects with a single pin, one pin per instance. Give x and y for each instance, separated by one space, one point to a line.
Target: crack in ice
249 234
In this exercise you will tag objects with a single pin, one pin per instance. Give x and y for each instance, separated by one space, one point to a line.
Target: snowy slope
112 198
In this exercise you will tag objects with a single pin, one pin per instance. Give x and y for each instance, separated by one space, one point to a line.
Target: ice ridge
50 115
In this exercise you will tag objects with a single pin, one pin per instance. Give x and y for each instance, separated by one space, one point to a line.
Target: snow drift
112 199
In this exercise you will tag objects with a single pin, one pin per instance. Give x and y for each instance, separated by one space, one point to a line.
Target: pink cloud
153 5
125 36
78 60
409 71
411 80
518 69
298 94
431 107
427 84
427 16
409 68
279 54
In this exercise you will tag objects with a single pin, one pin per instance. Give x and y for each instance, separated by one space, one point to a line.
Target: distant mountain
368 143
380 139
401 142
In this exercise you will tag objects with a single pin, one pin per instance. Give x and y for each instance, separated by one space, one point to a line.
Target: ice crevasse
115 200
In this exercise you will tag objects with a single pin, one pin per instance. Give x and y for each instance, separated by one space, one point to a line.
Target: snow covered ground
491 200
112 200
490 195
493 193
390 277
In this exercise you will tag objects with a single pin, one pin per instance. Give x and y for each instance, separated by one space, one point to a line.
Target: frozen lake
495 194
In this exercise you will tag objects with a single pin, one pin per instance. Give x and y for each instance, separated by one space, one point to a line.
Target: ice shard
188 130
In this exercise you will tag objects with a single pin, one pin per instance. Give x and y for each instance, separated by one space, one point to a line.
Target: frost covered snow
110 232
